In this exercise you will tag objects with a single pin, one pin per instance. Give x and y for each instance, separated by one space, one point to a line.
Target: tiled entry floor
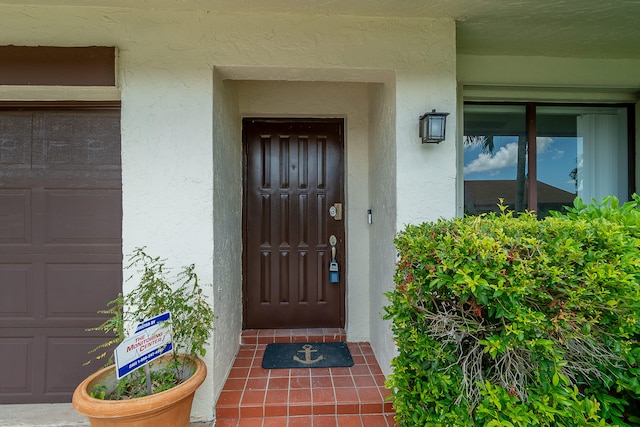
315 397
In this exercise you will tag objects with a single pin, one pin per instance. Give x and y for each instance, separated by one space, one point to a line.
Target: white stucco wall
382 193
227 234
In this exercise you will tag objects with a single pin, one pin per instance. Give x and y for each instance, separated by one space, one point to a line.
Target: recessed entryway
348 396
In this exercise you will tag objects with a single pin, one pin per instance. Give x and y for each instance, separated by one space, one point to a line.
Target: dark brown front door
60 245
293 176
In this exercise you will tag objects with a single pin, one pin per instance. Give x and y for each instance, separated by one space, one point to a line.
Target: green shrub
504 320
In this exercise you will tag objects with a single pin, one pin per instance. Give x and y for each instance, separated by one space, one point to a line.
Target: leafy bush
504 320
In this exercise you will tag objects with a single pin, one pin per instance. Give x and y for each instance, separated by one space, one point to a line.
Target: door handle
333 241
333 262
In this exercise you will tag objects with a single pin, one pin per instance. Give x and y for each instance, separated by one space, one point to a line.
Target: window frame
531 132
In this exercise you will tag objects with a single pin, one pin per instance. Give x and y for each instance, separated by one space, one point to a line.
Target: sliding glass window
540 157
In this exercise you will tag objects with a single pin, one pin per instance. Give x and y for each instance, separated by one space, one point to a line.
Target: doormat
307 355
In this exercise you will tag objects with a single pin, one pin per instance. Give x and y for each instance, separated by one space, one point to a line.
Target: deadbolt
335 211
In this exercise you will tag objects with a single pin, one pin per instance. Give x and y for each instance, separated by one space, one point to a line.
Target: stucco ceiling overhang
571 28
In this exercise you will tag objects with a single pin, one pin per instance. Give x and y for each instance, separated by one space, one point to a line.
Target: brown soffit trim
67 105
60 66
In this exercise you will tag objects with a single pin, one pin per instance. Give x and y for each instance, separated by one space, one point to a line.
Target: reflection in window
495 150
579 151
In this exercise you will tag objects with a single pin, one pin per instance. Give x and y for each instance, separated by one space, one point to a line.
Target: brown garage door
60 244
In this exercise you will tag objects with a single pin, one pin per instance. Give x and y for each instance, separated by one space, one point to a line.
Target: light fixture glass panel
436 127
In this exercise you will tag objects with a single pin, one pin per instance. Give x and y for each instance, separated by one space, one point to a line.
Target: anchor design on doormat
307 350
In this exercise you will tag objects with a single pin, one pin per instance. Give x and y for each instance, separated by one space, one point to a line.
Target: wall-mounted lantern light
432 126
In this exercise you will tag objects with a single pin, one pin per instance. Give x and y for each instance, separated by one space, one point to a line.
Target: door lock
335 211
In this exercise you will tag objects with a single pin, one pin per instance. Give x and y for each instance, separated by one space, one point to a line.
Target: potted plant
175 376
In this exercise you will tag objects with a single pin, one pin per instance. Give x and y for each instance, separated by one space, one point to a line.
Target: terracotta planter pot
168 408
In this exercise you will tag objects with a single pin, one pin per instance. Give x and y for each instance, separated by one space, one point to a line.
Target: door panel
60 245
294 173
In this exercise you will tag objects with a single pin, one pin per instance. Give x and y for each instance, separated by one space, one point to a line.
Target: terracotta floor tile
230 398
325 421
249 341
253 397
380 379
366 348
360 370
239 373
243 362
250 422
391 420
251 411
324 408
295 410
370 408
279 383
348 408
376 420
340 371
375 369
276 411
257 372
322 395
369 394
385 392
300 382
320 372
257 383
349 421
279 373
309 397
229 422
235 384
275 422
358 360
299 421
340 382
371 359
364 381
277 397
346 395
354 348
300 396
227 412
321 382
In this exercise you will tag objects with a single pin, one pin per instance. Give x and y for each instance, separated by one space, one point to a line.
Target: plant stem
148 375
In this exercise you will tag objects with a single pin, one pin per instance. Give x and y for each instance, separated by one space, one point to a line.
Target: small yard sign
151 340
